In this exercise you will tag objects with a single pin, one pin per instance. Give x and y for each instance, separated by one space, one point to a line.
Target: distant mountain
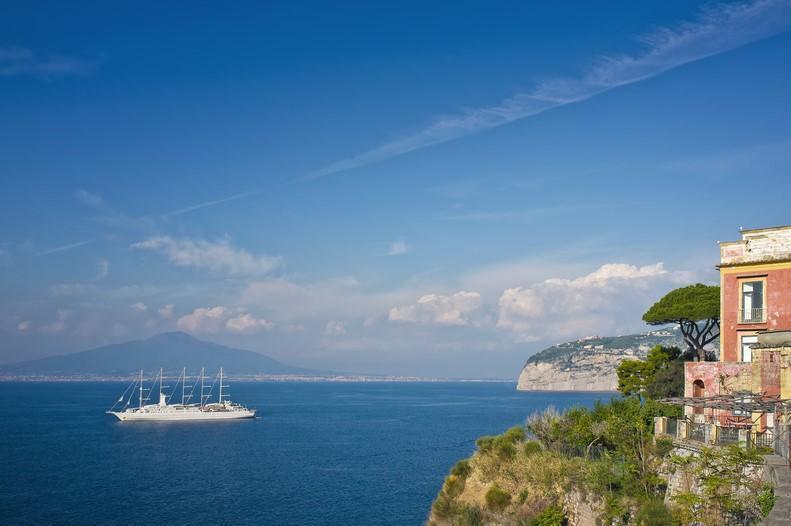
589 364
170 351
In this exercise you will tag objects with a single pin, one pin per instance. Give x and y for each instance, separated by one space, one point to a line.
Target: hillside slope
589 364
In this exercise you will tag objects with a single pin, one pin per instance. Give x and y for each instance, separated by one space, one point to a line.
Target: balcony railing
752 315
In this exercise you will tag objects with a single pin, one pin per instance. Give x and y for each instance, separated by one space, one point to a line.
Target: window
747 352
752 301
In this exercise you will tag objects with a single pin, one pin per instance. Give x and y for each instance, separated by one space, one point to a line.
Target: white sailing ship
222 409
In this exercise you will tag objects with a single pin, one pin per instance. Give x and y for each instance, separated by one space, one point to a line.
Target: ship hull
181 416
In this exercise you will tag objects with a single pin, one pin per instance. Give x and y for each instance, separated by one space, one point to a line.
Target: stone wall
579 510
777 473
757 246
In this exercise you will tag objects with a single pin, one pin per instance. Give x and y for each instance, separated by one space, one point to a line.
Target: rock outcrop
589 364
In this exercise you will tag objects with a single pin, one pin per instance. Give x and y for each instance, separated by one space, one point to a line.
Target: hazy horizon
417 189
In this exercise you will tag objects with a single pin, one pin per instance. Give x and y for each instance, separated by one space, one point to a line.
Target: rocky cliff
589 364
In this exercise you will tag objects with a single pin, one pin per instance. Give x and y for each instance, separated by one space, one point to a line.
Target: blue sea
320 453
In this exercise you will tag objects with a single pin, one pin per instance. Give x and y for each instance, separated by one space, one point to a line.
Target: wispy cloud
89 199
18 61
716 29
398 247
198 206
63 248
218 256
111 217
531 214
102 270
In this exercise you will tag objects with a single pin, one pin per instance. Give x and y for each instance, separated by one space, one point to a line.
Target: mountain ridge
170 351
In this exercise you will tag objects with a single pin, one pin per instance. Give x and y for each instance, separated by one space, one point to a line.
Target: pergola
744 403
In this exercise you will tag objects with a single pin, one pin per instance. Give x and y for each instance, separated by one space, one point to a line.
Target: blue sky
408 187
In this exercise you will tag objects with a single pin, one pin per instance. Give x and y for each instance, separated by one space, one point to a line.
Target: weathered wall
718 378
778 304
757 245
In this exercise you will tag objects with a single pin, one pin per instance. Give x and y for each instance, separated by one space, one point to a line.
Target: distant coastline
348 378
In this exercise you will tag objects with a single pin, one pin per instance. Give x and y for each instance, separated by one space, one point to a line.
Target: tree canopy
660 375
693 303
696 309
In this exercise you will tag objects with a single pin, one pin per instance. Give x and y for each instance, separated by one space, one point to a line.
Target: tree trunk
697 337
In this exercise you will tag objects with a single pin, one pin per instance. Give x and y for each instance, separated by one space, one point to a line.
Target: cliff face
589 364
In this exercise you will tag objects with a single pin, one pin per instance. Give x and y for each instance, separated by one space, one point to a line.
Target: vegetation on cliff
605 455
602 462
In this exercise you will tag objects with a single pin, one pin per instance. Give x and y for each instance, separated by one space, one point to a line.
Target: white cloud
219 256
597 303
716 29
102 270
335 328
247 323
220 318
166 312
18 61
59 325
87 198
437 309
24 326
139 307
398 247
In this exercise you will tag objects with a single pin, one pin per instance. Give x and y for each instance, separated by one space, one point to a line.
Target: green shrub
664 445
551 516
497 499
523 495
766 499
505 450
485 443
653 512
514 434
454 485
531 447
462 469
468 516
443 506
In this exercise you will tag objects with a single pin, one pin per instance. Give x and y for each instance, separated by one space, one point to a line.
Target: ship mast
220 397
161 398
183 383
201 387
141 389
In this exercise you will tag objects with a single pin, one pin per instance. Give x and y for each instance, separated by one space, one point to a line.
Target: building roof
758 245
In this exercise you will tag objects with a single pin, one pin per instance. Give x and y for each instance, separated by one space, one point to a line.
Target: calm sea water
320 453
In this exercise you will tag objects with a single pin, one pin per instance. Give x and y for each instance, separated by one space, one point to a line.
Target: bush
551 516
462 469
468 516
443 507
653 513
504 449
485 443
766 499
514 435
454 485
497 499
531 447
664 445
523 495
